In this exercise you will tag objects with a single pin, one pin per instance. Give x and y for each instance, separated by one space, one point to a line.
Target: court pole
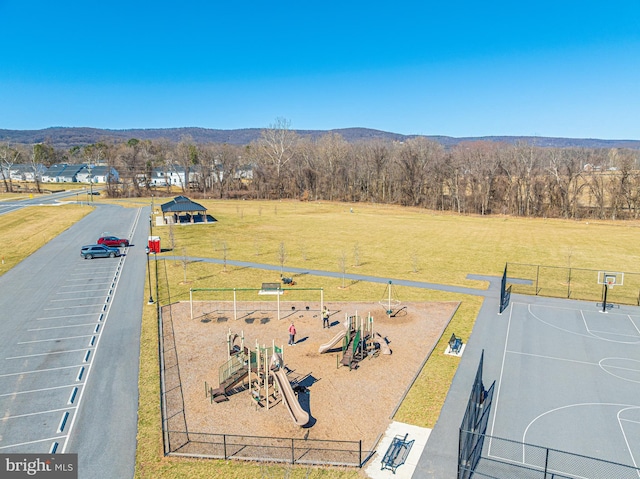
604 298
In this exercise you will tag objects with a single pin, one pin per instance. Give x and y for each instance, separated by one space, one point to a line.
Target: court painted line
46 354
542 356
31 442
60 327
626 441
38 390
38 413
596 331
34 371
504 357
597 404
593 334
576 333
53 339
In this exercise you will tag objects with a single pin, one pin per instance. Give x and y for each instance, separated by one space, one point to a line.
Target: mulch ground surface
343 404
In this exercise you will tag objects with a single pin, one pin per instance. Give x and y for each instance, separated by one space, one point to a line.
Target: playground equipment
390 300
262 372
299 416
242 301
260 380
231 374
232 347
358 341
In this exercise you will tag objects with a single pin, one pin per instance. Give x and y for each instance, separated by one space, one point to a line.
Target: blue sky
562 68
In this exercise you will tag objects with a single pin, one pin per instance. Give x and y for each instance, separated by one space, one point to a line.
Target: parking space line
60 327
46 354
39 390
69 307
53 339
73 299
66 316
31 442
83 290
38 413
34 371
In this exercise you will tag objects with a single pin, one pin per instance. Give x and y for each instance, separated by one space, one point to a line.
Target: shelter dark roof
181 203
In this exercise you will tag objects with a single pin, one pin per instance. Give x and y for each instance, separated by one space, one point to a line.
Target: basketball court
567 378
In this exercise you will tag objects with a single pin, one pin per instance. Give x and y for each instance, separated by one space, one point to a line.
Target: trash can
154 244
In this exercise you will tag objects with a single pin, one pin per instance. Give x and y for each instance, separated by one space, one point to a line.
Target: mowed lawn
385 241
24 231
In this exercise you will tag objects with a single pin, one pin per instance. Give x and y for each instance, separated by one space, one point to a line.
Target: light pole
149 271
90 167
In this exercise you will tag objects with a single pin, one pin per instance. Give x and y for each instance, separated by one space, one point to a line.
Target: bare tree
8 157
342 266
276 149
224 255
356 255
185 262
282 256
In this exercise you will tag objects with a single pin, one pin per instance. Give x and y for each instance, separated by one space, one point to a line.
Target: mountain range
68 137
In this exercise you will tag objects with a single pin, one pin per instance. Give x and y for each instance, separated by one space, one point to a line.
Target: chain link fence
508 459
570 283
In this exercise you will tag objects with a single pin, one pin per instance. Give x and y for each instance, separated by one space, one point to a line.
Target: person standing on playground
292 335
325 317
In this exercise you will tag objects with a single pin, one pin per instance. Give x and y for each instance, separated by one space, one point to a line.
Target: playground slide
299 415
332 342
384 347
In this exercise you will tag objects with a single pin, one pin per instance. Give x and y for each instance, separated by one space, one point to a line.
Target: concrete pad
448 351
417 434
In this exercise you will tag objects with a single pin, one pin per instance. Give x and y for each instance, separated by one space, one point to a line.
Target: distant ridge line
67 137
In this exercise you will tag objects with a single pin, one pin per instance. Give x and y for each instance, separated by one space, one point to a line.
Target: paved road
69 347
54 198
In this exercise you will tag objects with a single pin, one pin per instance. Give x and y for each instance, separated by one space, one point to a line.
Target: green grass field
385 241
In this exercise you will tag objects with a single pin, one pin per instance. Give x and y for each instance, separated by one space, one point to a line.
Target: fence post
537 277
360 453
546 463
224 443
569 285
293 455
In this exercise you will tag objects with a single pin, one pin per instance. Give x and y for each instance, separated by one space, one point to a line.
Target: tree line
478 177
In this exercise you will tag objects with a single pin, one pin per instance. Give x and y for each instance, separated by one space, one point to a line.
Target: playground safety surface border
344 405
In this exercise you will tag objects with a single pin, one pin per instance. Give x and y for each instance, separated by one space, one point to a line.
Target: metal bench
397 453
270 288
455 344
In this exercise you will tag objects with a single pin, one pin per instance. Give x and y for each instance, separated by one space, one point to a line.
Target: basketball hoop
608 280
